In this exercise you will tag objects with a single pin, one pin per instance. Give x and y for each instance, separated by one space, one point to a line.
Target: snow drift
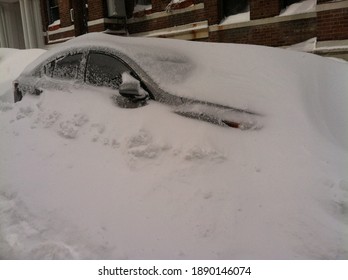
12 63
82 178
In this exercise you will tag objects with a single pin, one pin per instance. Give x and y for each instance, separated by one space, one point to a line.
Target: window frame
132 72
80 70
85 80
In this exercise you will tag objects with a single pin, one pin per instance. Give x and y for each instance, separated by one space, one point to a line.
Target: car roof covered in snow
229 74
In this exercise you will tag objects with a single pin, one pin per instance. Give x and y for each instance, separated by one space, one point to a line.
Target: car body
101 60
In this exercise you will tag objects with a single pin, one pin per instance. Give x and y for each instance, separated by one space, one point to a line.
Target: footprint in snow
199 153
142 145
52 251
24 112
70 128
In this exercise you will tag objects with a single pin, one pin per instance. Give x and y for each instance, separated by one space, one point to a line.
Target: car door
54 74
63 71
66 67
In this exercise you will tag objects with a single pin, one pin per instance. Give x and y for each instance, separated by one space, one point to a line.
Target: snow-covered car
124 67
82 178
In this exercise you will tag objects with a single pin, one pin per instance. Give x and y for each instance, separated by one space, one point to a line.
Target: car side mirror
131 89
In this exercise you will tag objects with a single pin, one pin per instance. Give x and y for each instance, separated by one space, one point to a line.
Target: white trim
332 6
51 42
111 20
196 7
90 23
96 22
196 30
332 45
61 30
262 21
336 48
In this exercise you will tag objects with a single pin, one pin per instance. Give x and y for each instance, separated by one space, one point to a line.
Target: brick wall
62 35
213 11
328 25
264 8
275 34
44 15
96 9
159 5
96 28
332 25
167 21
64 13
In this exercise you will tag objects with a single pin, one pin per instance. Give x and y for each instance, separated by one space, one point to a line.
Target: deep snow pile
12 63
82 178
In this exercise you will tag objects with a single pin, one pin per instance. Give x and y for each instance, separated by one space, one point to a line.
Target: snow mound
84 179
12 63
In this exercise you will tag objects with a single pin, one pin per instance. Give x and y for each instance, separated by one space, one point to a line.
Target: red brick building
262 22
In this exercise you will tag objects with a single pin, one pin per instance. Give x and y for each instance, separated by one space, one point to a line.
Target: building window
53 10
142 2
142 5
232 7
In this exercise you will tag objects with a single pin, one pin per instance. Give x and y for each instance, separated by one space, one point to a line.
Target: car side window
105 70
66 67
49 67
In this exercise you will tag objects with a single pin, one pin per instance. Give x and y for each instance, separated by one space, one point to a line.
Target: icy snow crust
84 179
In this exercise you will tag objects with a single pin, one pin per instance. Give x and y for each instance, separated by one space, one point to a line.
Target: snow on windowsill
178 4
241 17
54 25
306 6
312 45
140 8
306 46
57 22
143 10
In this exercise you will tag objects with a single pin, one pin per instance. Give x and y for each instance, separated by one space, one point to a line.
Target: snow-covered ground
81 178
